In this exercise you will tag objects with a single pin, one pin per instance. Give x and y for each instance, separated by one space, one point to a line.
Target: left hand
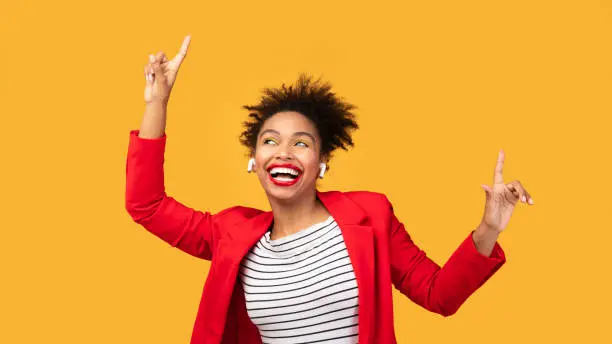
502 198
161 74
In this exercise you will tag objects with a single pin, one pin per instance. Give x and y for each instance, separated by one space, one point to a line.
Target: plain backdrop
440 87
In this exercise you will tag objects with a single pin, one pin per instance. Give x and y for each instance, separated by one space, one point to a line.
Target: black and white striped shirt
302 288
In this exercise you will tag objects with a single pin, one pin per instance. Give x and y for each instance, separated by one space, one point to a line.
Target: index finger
183 52
499 168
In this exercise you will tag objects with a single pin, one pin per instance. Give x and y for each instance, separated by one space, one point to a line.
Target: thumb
148 72
159 72
488 191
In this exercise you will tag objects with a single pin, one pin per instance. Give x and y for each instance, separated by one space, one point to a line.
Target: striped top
302 288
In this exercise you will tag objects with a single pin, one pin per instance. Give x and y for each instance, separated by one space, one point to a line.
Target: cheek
262 155
310 161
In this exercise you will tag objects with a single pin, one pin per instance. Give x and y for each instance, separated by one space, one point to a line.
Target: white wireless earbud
323 168
251 165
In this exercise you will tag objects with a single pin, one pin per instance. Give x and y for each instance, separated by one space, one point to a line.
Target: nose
284 152
283 155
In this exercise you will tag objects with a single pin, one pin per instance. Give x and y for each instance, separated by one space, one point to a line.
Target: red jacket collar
343 209
359 239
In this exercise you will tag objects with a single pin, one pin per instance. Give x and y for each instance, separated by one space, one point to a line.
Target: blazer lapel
226 265
359 239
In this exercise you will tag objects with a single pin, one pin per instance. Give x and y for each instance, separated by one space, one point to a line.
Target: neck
292 216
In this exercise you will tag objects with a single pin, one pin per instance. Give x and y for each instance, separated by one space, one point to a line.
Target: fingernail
524 199
151 58
530 201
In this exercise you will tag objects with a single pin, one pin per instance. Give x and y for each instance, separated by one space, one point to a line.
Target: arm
147 203
145 199
439 289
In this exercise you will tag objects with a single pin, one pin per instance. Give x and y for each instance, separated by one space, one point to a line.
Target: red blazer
380 249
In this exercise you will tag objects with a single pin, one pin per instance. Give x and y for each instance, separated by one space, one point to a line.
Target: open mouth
284 175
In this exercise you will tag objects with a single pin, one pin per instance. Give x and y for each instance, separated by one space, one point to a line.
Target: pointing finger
178 59
499 168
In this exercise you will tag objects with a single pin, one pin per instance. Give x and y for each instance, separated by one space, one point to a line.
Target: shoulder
368 199
374 206
368 202
237 214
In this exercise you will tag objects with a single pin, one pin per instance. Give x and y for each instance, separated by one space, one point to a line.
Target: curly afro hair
332 116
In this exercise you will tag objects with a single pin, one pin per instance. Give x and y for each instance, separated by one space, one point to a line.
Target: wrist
160 103
484 238
485 231
484 227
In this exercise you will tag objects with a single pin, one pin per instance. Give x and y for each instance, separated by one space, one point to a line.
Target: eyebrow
298 133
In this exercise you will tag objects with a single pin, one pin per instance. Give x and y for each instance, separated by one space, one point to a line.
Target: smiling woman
289 150
320 266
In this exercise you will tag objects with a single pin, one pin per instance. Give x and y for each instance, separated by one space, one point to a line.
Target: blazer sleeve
147 203
439 289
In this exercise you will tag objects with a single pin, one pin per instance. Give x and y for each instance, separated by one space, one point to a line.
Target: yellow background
441 86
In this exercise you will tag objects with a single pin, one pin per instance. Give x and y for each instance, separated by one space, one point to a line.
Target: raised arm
439 289
145 199
443 290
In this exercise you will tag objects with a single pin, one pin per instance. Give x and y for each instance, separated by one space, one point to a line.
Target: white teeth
285 170
284 179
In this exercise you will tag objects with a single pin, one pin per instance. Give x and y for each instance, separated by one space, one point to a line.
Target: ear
251 166
323 167
252 158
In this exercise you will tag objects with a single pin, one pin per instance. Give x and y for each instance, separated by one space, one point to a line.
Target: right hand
160 74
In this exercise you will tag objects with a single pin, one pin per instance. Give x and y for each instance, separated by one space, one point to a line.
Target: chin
283 193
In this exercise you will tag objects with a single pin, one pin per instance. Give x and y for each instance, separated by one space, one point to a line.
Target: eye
269 141
301 143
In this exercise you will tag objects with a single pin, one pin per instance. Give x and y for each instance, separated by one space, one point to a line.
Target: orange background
441 86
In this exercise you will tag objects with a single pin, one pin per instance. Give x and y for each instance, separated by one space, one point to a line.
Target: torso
302 287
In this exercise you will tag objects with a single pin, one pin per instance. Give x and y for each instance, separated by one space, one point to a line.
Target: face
287 156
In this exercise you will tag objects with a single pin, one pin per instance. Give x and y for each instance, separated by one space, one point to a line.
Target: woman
317 268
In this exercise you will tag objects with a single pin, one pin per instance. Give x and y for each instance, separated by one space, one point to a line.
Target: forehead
289 122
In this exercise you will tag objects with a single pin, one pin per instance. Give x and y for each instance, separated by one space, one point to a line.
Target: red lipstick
284 182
